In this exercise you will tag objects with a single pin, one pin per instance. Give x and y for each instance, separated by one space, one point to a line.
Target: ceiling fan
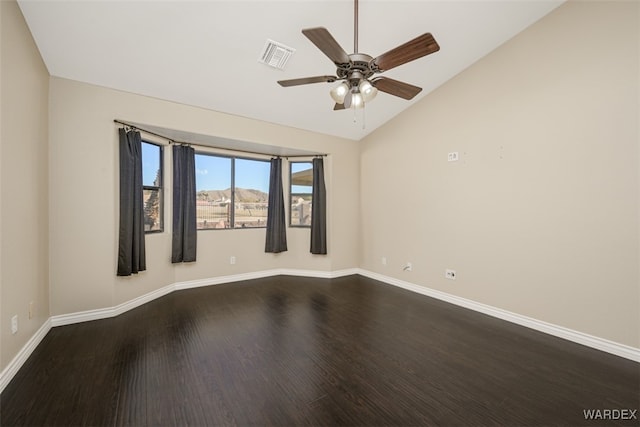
357 69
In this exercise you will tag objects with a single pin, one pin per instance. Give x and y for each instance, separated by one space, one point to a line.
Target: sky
150 163
214 173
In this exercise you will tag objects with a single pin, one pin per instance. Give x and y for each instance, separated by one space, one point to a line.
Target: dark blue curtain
131 249
319 210
184 231
276 223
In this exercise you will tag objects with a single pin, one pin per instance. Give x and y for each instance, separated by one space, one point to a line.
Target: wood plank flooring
297 351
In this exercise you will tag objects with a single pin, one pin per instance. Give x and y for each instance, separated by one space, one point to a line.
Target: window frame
291 193
232 211
159 189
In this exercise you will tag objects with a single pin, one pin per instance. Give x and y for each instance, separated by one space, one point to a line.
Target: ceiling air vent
275 54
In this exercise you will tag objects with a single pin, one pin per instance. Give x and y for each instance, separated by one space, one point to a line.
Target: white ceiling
205 53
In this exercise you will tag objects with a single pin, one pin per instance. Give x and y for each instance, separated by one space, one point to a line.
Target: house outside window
300 192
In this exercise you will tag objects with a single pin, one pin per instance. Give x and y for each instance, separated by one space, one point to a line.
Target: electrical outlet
14 324
232 260
453 157
31 309
450 274
408 267
384 260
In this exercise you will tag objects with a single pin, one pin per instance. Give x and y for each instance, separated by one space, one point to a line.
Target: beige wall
23 183
540 215
84 199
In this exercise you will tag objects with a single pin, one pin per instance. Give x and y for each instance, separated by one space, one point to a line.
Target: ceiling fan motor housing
360 67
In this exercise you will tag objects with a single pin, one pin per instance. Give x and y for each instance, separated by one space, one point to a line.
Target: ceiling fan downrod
355 26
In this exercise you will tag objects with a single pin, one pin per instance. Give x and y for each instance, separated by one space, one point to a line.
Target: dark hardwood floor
299 351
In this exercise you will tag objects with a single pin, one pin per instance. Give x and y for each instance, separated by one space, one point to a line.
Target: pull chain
364 116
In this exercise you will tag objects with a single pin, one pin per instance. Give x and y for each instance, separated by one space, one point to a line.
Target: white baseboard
105 313
602 344
12 368
16 363
320 274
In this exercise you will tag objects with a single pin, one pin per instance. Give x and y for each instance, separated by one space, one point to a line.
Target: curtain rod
173 141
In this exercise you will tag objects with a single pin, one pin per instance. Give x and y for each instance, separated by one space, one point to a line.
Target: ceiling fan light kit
339 92
355 71
367 90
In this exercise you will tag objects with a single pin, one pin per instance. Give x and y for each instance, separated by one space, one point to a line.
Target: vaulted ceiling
205 53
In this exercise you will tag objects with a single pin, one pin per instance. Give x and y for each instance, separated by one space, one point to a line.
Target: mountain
243 195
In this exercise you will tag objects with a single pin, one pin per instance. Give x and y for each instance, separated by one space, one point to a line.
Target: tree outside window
152 187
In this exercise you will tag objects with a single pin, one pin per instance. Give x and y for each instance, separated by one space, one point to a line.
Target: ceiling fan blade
338 107
321 37
417 48
307 80
395 87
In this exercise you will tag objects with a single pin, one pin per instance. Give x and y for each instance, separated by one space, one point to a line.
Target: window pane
152 186
151 165
152 202
213 187
301 191
252 193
